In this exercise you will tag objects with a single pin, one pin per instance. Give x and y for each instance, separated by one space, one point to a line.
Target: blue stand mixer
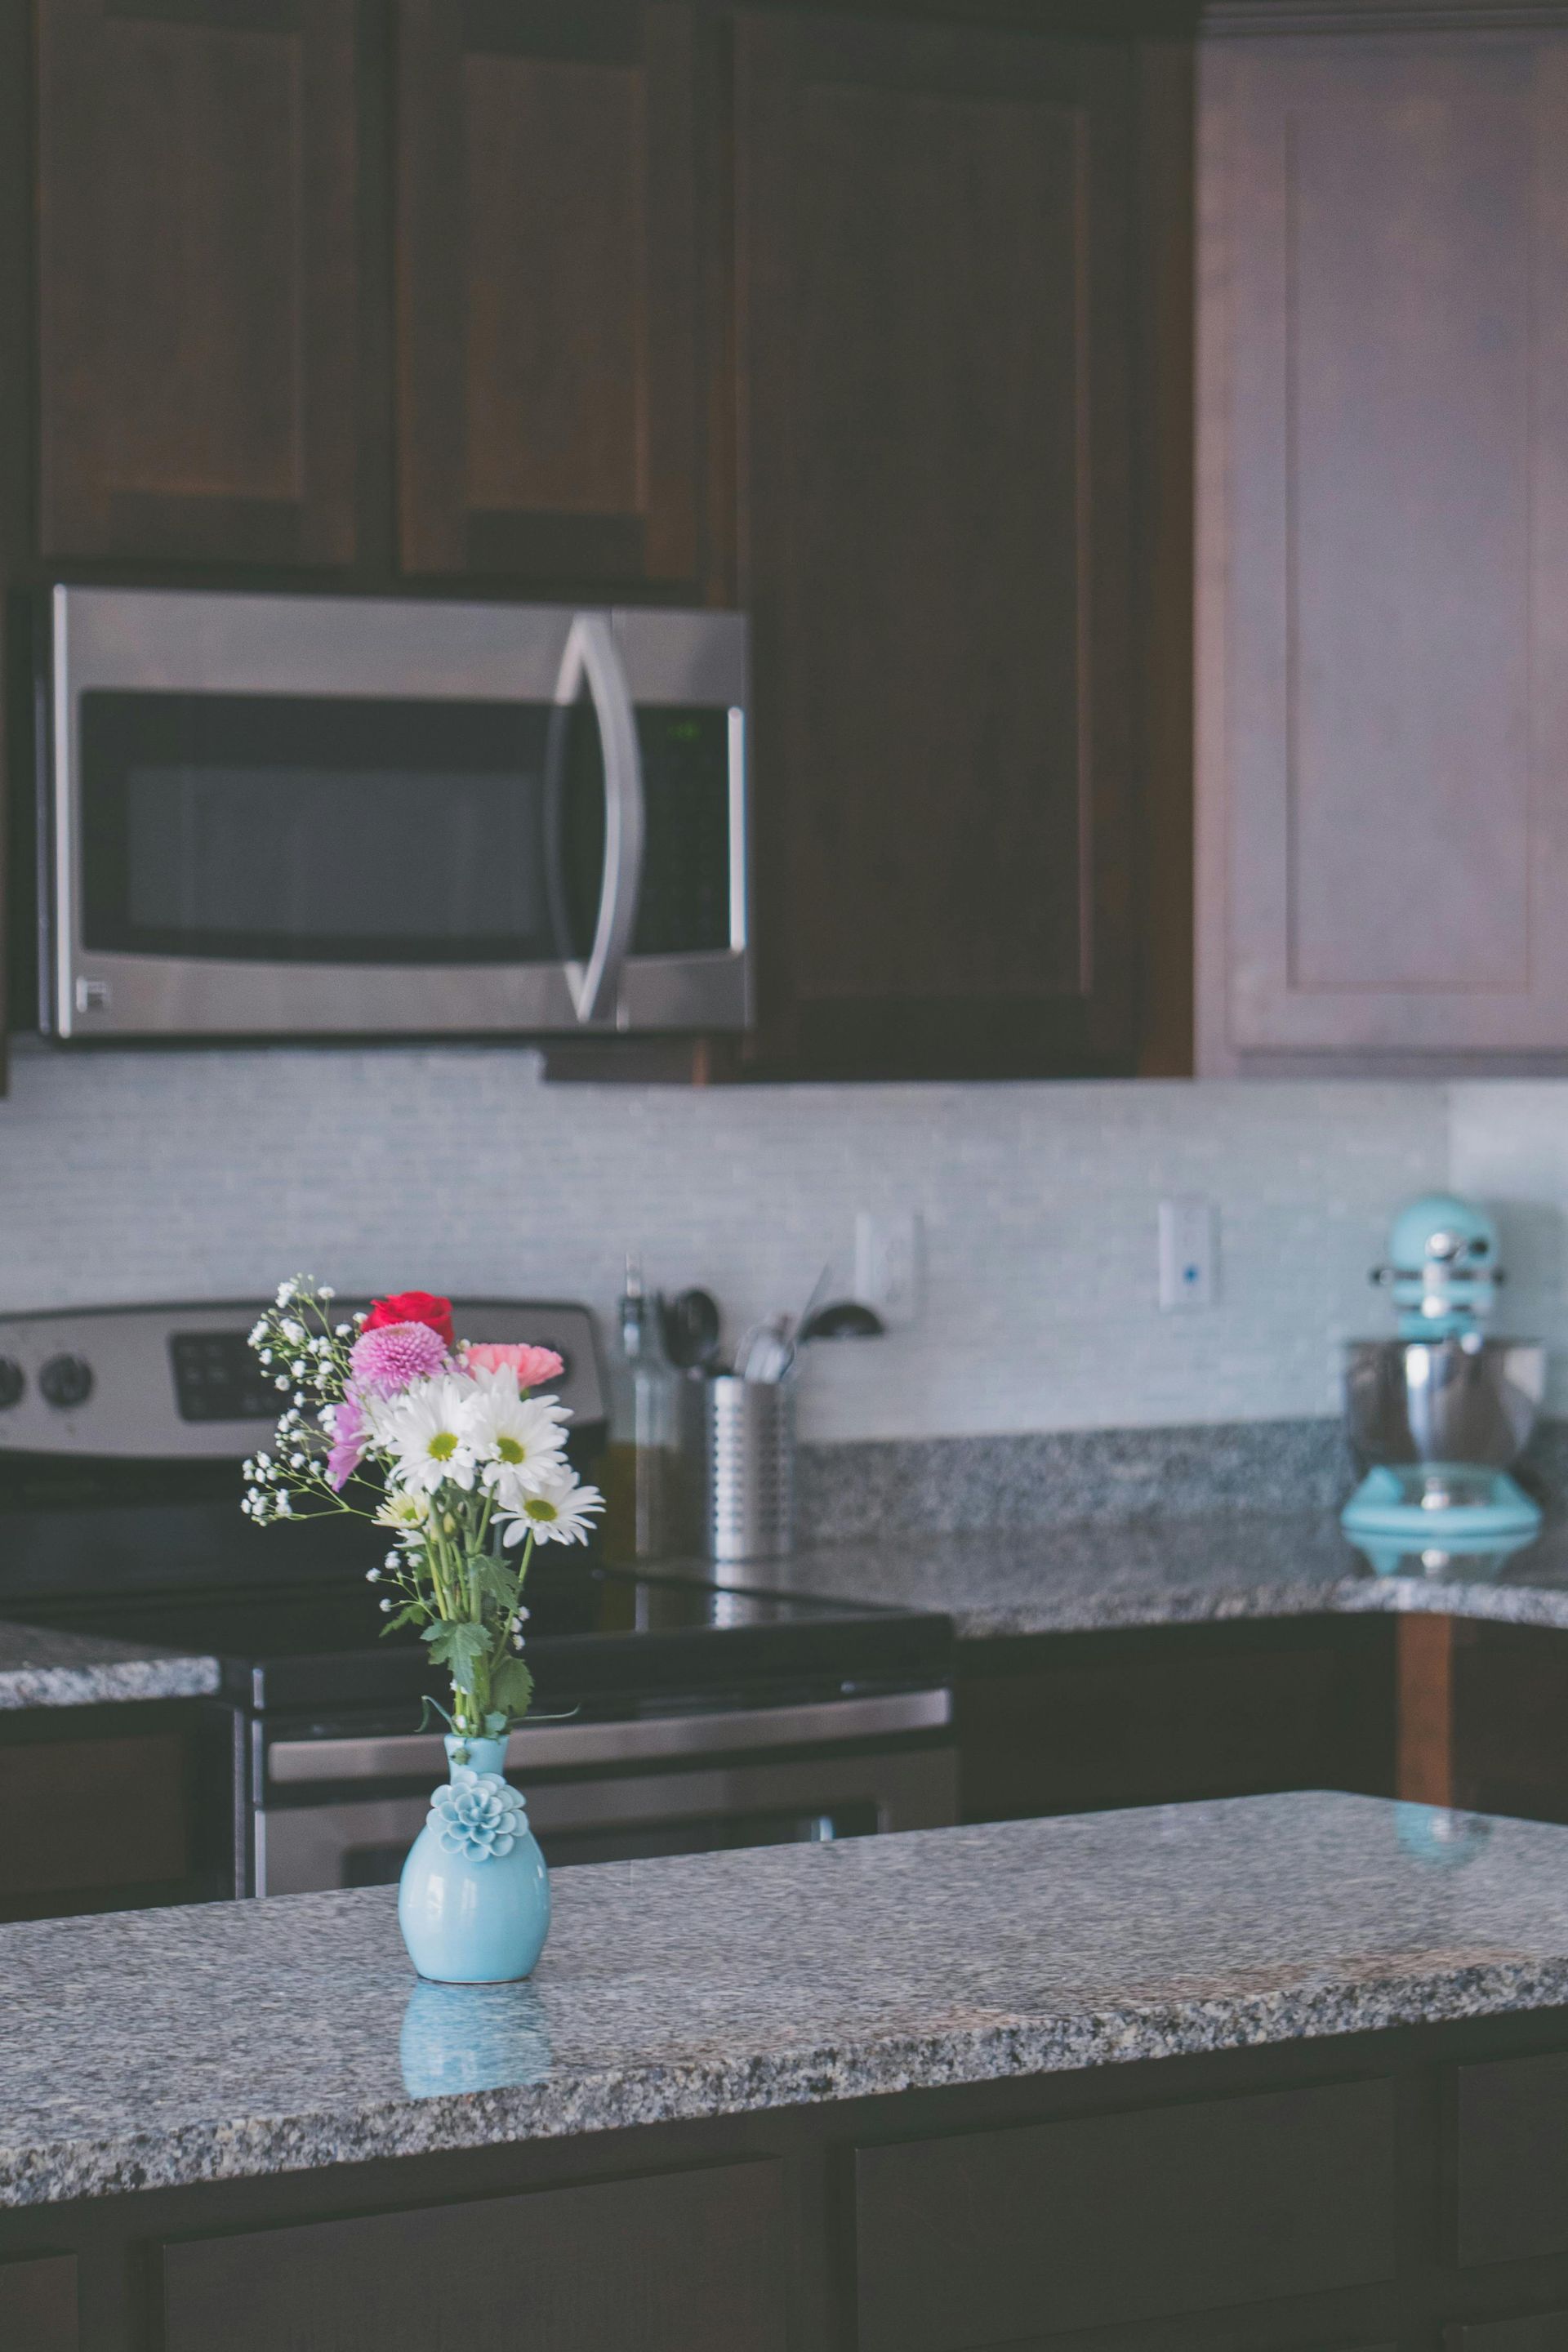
1438 1415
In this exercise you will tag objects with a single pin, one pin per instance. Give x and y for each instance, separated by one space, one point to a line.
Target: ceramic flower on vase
444 1445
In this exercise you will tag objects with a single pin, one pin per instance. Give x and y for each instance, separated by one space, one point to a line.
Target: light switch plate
1189 1254
888 1264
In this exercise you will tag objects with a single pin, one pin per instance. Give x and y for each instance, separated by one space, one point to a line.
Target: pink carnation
349 1436
392 1358
532 1365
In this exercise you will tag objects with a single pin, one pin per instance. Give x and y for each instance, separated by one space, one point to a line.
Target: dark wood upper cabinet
932 243
1384 531
548 275
197 270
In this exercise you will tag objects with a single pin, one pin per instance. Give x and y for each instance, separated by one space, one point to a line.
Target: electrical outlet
1189 1254
888 1266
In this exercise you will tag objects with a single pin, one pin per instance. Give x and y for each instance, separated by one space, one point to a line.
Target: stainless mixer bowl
1442 1400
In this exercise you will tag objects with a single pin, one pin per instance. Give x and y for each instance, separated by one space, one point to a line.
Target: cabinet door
931 233
196 163
687 2262
989 2238
547 290
1383 768
93 1823
37 2303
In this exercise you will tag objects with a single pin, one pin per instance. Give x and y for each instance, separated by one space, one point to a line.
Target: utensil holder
751 1469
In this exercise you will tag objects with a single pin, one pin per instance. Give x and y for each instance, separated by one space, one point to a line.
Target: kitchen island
1277 2069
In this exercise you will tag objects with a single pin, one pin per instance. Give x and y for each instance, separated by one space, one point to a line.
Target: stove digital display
216 1378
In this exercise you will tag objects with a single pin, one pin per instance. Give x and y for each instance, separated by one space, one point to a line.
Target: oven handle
591 653
301 1763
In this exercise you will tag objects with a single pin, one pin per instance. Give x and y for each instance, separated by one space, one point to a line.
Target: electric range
671 1714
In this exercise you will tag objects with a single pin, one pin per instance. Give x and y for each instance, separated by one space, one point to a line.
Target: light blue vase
474 1899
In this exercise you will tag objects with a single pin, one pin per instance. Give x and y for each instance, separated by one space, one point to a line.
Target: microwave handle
592 654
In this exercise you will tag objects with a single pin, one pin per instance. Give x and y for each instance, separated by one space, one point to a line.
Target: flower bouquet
444 1445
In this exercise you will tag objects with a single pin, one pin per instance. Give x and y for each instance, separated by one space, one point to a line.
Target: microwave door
250 845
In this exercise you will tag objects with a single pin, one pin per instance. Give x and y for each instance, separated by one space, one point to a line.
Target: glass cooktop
291 1613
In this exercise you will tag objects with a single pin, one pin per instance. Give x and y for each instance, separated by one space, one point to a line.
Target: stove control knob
12 1382
66 1381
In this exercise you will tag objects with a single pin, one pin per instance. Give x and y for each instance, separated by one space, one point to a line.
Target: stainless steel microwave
311 816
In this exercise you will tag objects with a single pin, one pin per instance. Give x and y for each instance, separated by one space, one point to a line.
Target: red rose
413 1306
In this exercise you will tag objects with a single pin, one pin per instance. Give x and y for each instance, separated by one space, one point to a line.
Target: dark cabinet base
1085 1722
680 2261
1342 2192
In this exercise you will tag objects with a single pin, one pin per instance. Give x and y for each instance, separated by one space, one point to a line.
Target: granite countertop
1099 1574
1087 1576
43 1667
229 2040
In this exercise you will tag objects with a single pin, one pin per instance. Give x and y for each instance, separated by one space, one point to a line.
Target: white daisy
557 1511
402 1509
519 1441
425 1435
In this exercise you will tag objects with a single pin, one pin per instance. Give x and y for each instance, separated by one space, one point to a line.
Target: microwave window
330 830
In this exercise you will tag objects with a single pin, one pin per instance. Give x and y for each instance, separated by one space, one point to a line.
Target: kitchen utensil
691 1326
843 1319
751 1468
766 1353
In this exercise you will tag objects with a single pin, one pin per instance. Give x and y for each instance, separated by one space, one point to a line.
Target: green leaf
459 1648
413 1614
511 1687
497 1581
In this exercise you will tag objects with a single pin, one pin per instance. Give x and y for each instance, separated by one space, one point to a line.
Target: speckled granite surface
159 2048
944 1484
1096 1575
40 1666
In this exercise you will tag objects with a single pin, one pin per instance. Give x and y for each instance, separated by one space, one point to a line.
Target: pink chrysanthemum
533 1366
387 1361
349 1434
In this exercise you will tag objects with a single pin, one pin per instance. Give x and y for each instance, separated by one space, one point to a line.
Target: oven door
333 1814
298 816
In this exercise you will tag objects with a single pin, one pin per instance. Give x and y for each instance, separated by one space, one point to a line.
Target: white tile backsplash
165 1175
1509 1146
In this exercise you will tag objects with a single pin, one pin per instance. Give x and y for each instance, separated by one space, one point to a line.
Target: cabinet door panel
687 2262
547 268
930 235
1383 582
82 1814
197 279
38 2305
991 2237
1512 2147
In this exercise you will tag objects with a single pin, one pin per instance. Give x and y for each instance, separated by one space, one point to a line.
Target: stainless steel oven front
305 816
335 1812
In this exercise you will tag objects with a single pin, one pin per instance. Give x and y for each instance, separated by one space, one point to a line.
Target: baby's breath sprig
304 1352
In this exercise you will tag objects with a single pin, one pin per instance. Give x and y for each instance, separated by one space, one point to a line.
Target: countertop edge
1393 1596
115 1681
1005 2047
